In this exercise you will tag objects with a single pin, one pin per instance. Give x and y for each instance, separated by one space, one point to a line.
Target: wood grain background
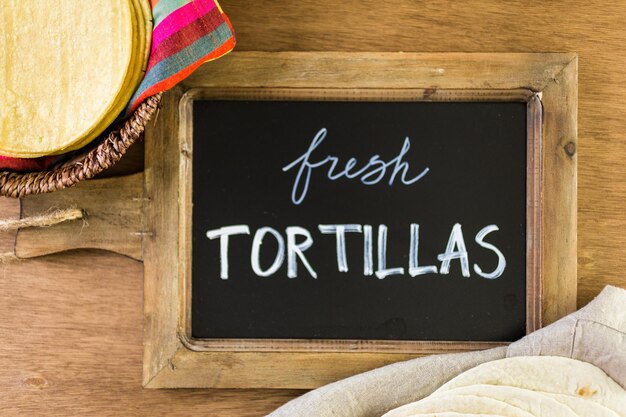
71 324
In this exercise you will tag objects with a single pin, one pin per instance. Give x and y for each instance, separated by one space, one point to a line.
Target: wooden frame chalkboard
545 82
533 135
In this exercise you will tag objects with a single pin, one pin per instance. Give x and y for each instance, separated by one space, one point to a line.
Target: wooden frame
546 82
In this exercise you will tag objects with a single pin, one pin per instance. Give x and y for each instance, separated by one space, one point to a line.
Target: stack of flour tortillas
526 386
68 69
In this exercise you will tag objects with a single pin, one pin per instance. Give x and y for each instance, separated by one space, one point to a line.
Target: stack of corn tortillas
537 386
68 69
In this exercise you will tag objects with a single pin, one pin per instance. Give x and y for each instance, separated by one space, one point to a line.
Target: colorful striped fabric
186 34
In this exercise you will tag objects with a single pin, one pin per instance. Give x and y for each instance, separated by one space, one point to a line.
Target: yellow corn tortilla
143 35
68 65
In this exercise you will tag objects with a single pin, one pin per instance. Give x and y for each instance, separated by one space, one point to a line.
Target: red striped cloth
186 34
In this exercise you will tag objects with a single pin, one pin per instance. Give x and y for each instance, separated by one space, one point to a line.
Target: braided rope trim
48 219
106 154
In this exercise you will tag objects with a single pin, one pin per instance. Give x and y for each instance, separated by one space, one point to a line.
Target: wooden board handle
112 219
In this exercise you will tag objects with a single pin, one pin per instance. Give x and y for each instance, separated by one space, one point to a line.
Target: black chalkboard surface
427 200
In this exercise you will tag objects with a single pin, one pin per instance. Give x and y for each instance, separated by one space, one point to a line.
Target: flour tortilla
550 374
453 414
66 67
142 14
583 407
536 403
468 404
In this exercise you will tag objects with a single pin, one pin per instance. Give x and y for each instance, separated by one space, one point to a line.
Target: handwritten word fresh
370 174
299 240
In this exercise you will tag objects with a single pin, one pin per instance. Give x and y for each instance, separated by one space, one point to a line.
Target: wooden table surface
71 323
